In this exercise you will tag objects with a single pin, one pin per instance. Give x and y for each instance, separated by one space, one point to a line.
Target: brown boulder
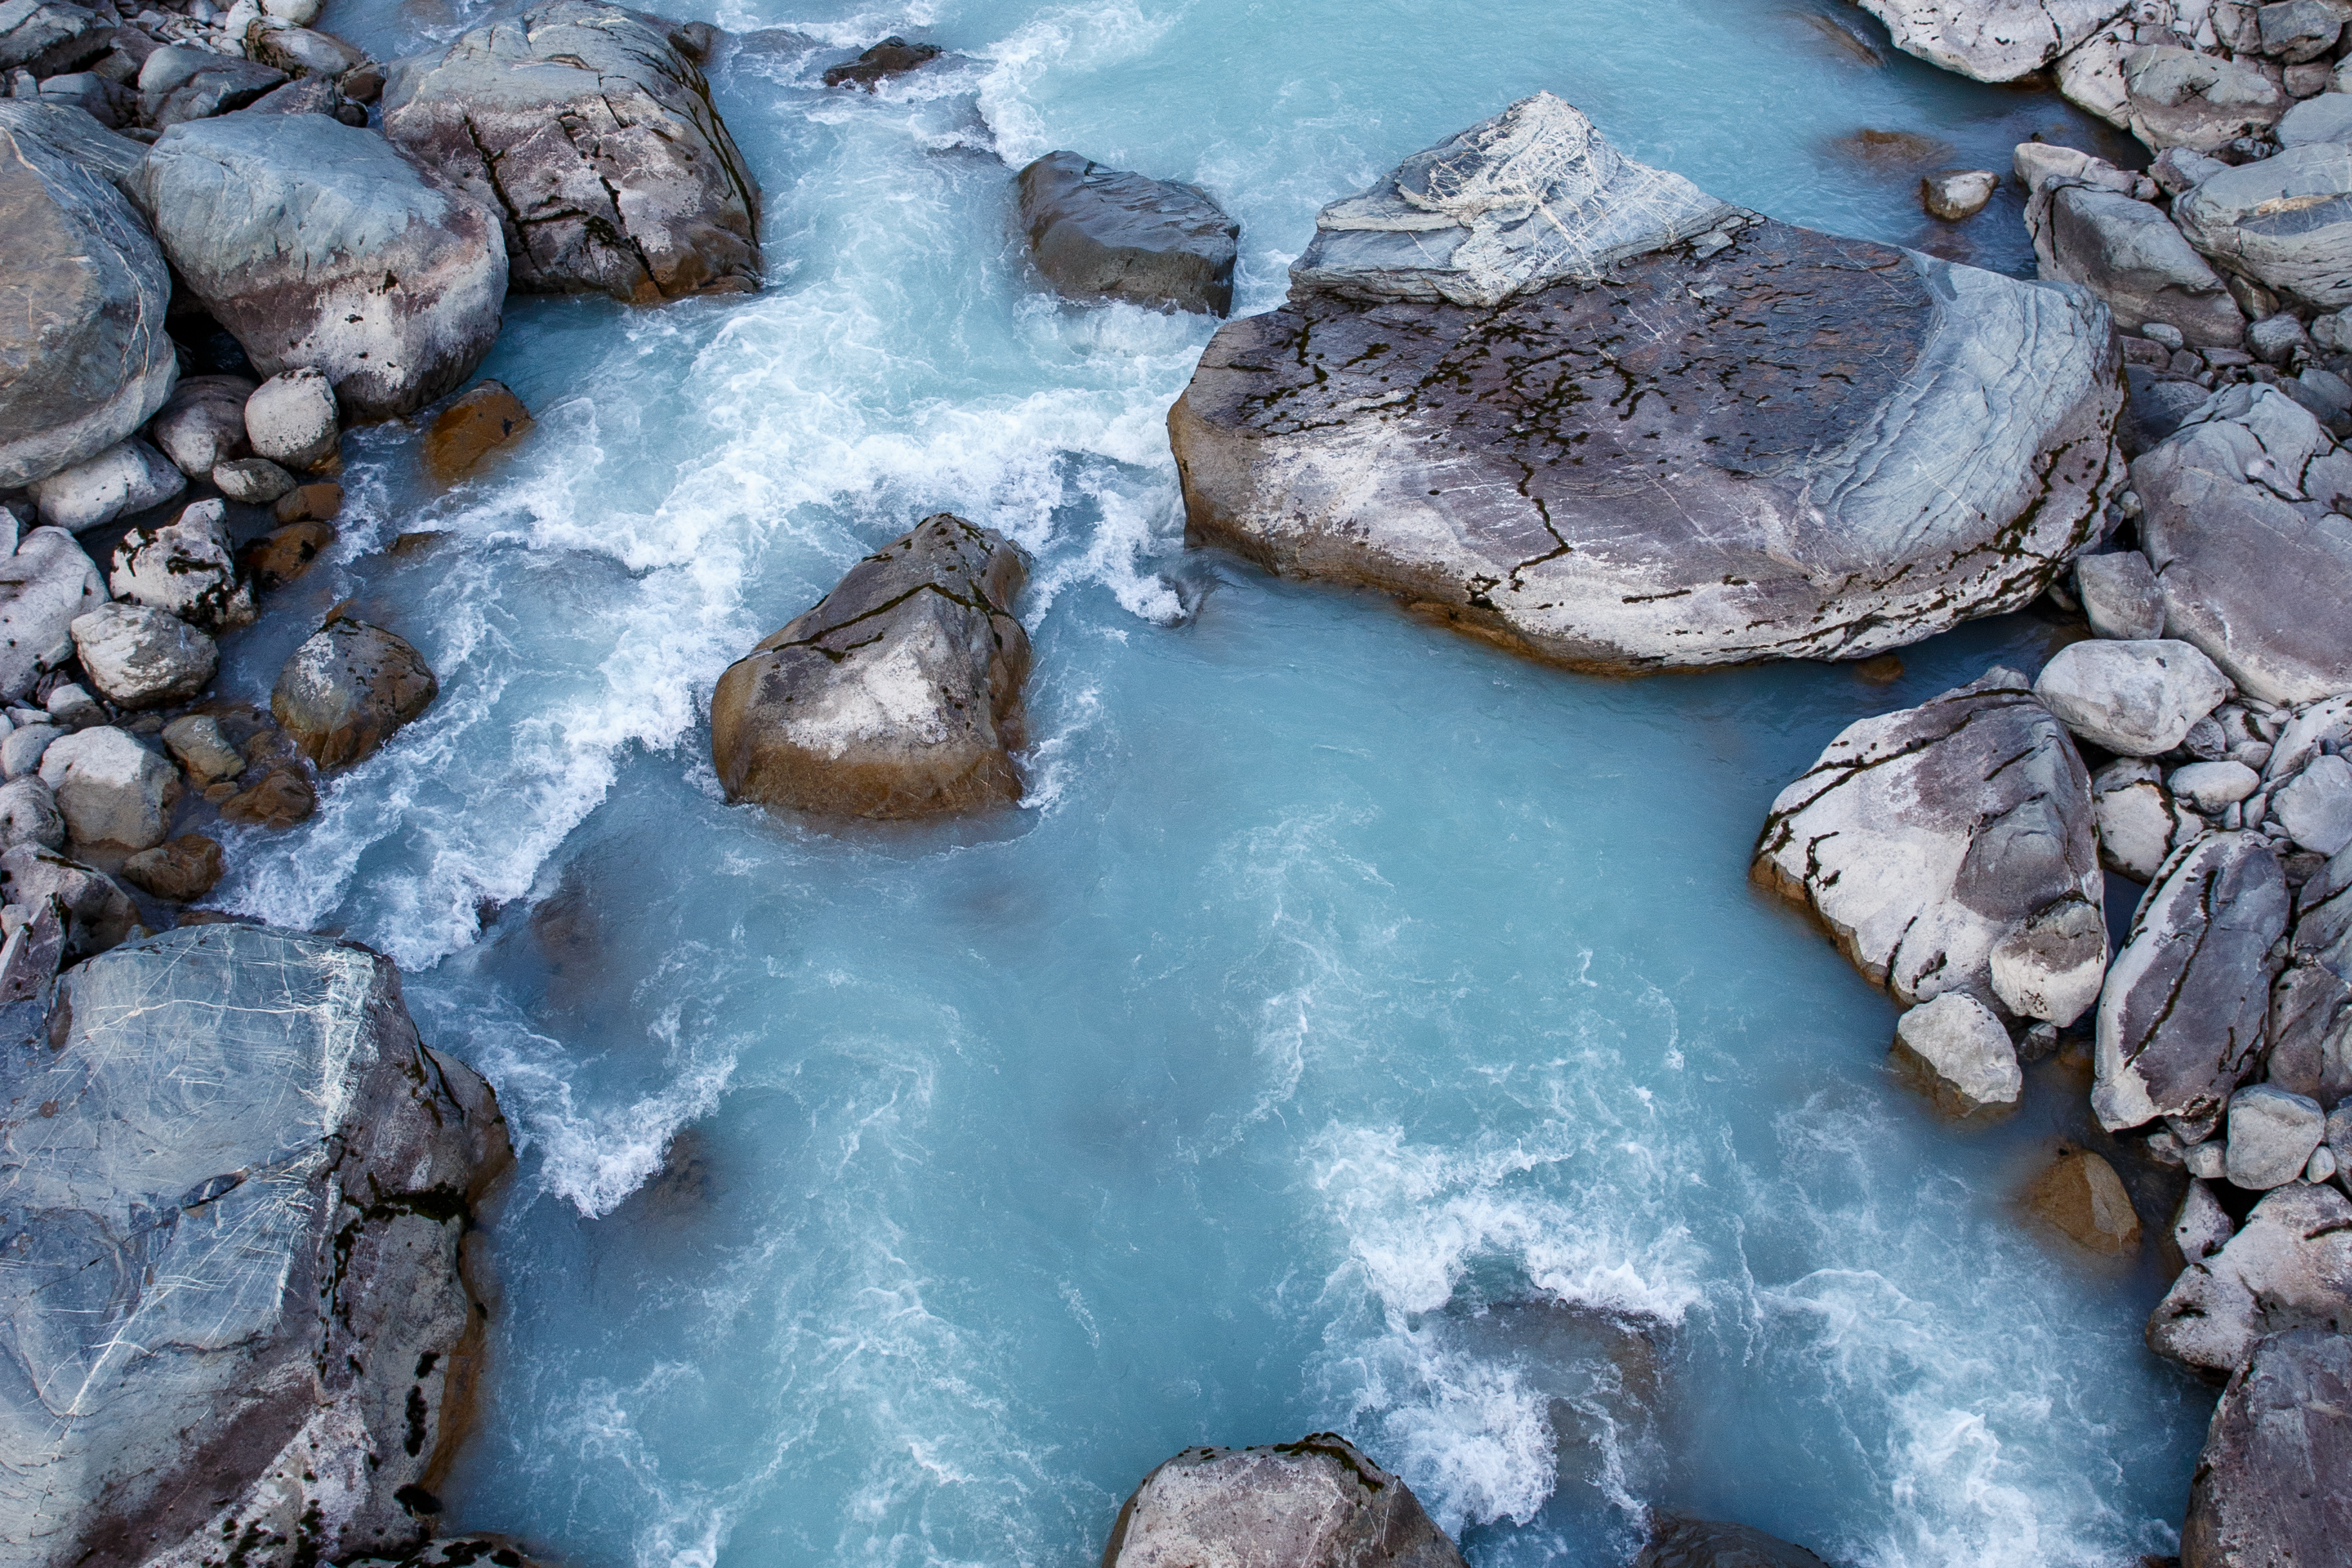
892 57
277 558
279 798
183 870
312 503
341 694
469 429
2082 1196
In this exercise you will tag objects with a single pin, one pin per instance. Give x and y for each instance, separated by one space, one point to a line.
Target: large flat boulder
1923 839
1993 40
2270 1486
321 246
898 695
1579 407
591 133
84 359
234 1310
2288 1266
1316 1503
2284 221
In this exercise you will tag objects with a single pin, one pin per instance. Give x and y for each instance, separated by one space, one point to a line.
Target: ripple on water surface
1354 1028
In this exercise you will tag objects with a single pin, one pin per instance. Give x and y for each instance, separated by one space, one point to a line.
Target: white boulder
184 567
128 477
2289 1267
2272 1134
291 419
2315 806
111 789
43 587
138 656
1958 1051
2136 699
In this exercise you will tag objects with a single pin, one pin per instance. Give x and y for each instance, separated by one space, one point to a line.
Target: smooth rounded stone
183 870
1318 1500
143 658
71 707
2268 1488
342 693
325 1378
592 133
1958 194
2321 1166
29 814
293 421
111 789
98 914
1922 837
2315 806
2209 786
281 797
2050 967
894 55
2129 254
298 51
2288 1266
2136 699
185 566
2207 1161
1959 1055
2328 118
2284 221
2180 97
2180 1023
1100 233
1707 1543
196 742
49 37
280 556
2200 1226
252 481
20 753
2081 1195
128 477
2243 521
470 429
201 85
2270 1136
2119 594
1991 41
1711 374
203 426
318 245
898 694
45 586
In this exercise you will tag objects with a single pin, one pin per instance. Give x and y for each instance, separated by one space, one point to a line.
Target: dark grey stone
2129 253
1100 233
216 87
343 692
1705 1543
50 37
2270 1487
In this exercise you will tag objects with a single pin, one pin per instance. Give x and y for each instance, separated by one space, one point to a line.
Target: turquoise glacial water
1356 1028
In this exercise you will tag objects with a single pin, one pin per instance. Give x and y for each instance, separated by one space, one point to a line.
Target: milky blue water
1355 1027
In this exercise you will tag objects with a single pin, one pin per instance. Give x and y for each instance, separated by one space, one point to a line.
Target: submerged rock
1959 193
1923 839
2269 1486
2289 1267
591 132
297 1394
1315 1501
1705 1543
898 695
894 55
2081 1195
1577 406
342 693
470 429
1100 233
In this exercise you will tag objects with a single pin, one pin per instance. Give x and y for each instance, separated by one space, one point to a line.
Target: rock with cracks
1991 41
2289 1267
1315 1501
898 695
2269 1488
1579 407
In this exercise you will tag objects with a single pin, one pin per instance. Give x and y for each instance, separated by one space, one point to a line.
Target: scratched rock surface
233 1319
1576 406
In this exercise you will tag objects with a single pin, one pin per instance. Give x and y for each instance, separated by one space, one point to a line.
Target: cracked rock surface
2290 1267
1318 1500
235 1326
2269 1486
591 133
898 695
1643 441
1993 40
1924 838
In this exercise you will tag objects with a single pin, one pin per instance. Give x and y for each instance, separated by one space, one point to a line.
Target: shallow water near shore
1356 1027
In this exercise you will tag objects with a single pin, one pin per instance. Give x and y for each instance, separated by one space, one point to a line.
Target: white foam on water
1064 38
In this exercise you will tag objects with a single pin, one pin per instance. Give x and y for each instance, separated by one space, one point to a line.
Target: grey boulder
76 133
29 814
318 245
45 586
1991 41
203 426
2119 594
1924 839
298 51
2328 118
95 914
84 359
2269 1486
2316 806
1960 1054
1099 233
2271 1133
2140 822
185 566
2136 699
2181 1020
1575 406
143 658
292 420
183 83
50 37
2283 221
2180 98
296 1394
2129 254
2288 1266
128 477
255 481
898 694
1317 1502
2311 1003
112 790
592 133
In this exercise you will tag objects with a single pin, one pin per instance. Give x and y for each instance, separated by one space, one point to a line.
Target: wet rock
292 420
321 246
2268 1486
470 429
45 586
1099 233
50 37
138 656
898 695
2137 699
2138 821
1958 1053
128 477
95 915
183 83
1704 1543
2315 806
2050 967
112 790
197 743
253 481
324 1380
894 55
2210 787
2180 97
277 558
29 814
185 566
593 136
1318 1500
2289 1267
2270 1136
2252 555
2119 594
2081 1195
1581 419
1958 194
2284 221
310 503
203 426
2202 1226
2181 1018
183 870
281 798
342 693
